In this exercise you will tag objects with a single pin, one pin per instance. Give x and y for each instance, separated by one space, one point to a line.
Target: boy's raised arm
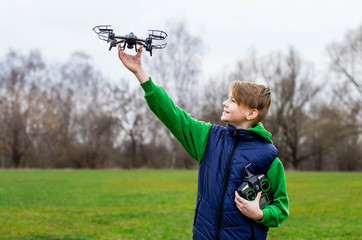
191 133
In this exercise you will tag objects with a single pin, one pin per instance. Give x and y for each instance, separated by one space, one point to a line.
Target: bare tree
130 108
291 83
346 62
88 125
18 104
215 92
346 59
247 69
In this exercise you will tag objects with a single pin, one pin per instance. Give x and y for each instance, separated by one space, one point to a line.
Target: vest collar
232 130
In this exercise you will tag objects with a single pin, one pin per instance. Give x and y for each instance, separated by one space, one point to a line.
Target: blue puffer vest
221 171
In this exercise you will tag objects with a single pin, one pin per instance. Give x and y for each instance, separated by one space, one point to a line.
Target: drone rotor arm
114 43
123 38
141 43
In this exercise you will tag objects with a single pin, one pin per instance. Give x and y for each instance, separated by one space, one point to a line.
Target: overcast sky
229 28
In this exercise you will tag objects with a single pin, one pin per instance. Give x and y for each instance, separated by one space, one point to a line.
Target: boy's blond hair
253 96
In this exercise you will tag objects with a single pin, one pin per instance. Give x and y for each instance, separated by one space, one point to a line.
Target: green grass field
159 204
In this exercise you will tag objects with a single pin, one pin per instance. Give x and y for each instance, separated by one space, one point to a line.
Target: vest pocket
197 208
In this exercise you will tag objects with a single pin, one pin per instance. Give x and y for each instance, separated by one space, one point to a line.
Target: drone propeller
157 34
104 32
159 46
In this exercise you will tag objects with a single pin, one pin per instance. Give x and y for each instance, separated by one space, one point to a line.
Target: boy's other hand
250 209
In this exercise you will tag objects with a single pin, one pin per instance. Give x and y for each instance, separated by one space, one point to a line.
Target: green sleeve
191 133
278 211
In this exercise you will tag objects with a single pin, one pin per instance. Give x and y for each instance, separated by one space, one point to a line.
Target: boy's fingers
120 52
238 198
258 196
140 51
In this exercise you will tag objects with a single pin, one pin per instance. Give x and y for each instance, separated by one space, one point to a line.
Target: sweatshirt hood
261 131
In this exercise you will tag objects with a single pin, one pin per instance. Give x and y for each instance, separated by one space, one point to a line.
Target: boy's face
233 113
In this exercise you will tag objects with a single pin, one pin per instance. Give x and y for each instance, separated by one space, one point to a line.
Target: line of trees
70 116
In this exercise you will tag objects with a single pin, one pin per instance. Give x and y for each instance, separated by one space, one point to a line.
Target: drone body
105 32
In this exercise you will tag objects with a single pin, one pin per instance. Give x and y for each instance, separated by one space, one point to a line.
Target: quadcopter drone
105 33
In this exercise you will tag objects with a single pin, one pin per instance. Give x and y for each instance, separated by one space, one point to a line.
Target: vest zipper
226 181
252 229
197 209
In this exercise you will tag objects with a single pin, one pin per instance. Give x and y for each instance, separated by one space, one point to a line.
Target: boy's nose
224 103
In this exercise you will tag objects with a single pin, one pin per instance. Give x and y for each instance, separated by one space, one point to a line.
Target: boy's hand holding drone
250 209
133 63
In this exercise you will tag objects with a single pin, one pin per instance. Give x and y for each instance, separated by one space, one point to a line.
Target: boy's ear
253 113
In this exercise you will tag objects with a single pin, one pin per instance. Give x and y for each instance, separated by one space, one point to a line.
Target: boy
223 152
